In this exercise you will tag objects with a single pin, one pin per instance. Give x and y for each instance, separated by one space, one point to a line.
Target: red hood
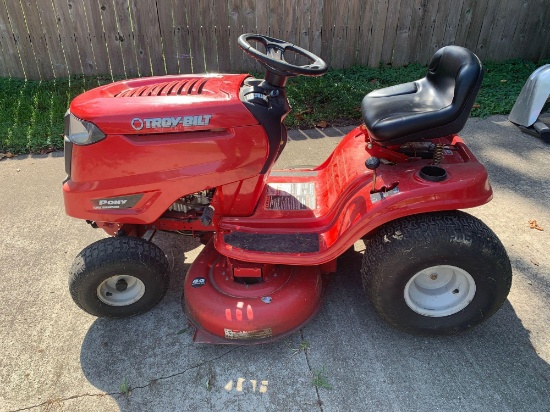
165 104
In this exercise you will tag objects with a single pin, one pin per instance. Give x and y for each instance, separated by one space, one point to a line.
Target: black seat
434 106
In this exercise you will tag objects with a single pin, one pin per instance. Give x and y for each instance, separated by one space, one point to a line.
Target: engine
196 202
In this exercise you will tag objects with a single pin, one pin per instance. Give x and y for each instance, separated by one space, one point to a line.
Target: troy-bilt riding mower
193 154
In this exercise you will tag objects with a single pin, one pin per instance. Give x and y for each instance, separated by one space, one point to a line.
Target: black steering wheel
274 57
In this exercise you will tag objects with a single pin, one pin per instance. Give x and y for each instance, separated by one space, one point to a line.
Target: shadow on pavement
369 365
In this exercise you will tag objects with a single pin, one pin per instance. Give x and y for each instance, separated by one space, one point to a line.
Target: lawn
31 112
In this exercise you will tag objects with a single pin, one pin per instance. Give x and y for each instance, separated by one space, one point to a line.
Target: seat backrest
456 73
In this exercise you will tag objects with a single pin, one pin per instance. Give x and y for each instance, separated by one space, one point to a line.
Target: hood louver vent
176 88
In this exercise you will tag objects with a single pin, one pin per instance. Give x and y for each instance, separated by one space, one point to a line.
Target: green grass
31 112
302 347
336 97
501 86
319 379
124 388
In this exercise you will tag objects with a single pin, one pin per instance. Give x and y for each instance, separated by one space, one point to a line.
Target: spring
438 154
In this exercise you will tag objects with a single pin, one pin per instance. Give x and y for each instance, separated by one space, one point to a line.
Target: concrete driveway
55 357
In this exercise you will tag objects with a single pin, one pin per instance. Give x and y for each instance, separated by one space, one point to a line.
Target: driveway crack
319 401
198 365
101 394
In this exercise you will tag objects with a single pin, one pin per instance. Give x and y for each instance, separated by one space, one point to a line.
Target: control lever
372 163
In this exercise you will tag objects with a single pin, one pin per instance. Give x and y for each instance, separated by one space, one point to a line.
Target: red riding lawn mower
193 154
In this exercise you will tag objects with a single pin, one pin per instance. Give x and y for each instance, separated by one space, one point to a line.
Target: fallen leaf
322 124
534 262
48 150
534 225
374 81
476 106
503 81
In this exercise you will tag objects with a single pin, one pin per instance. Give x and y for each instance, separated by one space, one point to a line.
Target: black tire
405 247
131 259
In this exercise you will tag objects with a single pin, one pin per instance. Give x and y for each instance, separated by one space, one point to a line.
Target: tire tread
425 229
108 251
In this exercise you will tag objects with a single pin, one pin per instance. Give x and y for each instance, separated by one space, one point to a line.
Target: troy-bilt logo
168 122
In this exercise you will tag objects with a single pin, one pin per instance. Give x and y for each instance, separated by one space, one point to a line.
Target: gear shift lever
372 163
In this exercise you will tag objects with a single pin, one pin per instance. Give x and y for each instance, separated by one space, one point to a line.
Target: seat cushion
434 106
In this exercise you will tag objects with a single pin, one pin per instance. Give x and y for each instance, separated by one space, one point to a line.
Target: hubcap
440 291
120 290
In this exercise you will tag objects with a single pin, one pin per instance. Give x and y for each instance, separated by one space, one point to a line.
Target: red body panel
344 211
163 163
163 167
113 107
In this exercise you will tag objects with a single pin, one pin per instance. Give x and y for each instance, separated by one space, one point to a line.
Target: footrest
274 243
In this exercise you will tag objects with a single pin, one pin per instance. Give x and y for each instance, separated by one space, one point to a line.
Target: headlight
81 132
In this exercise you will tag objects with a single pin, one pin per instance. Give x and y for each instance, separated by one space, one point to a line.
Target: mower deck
231 302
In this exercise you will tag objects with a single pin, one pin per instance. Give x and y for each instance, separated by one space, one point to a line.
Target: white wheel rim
440 291
107 291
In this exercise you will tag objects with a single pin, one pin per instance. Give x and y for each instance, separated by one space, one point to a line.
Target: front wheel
118 277
436 273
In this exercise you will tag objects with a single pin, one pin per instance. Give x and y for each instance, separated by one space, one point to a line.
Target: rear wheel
436 273
119 277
